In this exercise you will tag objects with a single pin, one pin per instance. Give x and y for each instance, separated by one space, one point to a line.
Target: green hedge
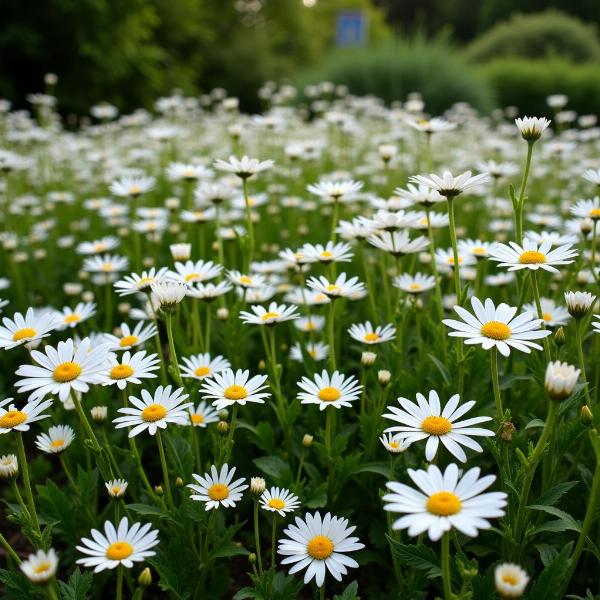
394 69
536 36
527 83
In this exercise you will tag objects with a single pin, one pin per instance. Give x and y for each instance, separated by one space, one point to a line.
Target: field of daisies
339 350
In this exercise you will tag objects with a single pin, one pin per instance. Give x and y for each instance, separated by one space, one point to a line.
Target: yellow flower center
496 330
326 254
192 277
479 250
197 419
276 503
532 257
107 267
218 491
329 394
443 504
394 445
270 315
99 247
134 189
128 340
72 318
332 288
58 443
595 213
547 317
12 418
320 547
202 371
235 392
154 412
24 333
116 490
42 568
312 353
510 579
436 425
67 371
119 551
451 260
121 372
415 287
310 326
246 280
145 281
320 297
371 337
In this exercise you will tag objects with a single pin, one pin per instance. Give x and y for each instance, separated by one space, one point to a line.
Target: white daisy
421 194
153 412
72 317
107 264
228 388
319 544
122 546
98 246
217 489
444 501
32 327
20 420
134 283
168 293
334 190
497 327
63 369
116 488
58 438
202 415
201 366
342 287
192 272
132 186
366 334
448 185
398 243
532 128
531 256
41 566
209 291
318 351
279 500
394 443
245 167
579 303
129 368
335 390
128 339
425 419
414 284
511 580
275 313
553 315
331 252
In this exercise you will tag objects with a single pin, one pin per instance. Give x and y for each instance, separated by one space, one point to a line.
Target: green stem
229 442
538 305
521 199
273 541
578 338
331 335
9 549
257 539
496 383
163 464
434 271
84 421
334 218
446 566
172 351
249 225
456 265
119 593
23 465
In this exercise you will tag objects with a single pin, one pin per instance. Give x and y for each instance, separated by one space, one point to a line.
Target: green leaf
441 367
350 593
179 454
87 483
318 497
547 585
565 520
380 468
19 586
149 511
555 493
77 587
547 553
272 465
418 556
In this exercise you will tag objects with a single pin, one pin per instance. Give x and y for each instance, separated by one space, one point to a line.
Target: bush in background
394 69
539 35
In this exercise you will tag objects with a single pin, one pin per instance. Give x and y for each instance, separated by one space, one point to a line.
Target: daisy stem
369 280
538 305
163 464
9 549
328 450
119 592
521 200
218 235
322 592
172 351
331 335
446 566
334 218
19 498
208 324
111 456
594 228
456 265
249 225
434 271
107 306
257 539
23 465
578 338
67 471
273 541
229 442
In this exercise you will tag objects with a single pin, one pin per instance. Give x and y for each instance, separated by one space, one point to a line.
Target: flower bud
158 490
9 466
384 377
560 380
511 580
99 413
507 429
145 578
181 251
368 359
223 414
252 558
559 337
586 226
262 365
222 313
179 482
257 485
307 440
586 415
222 427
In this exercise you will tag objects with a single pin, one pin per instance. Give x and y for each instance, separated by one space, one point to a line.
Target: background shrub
539 35
394 69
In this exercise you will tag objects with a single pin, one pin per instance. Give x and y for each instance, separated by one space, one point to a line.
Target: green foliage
527 84
539 35
394 69
77 587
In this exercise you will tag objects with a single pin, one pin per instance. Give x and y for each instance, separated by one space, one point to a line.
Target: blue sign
351 28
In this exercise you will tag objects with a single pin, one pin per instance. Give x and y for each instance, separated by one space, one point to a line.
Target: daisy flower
58 438
317 351
312 323
134 283
153 412
246 281
425 419
331 252
168 293
209 291
334 189
421 194
587 209
429 126
228 388
122 546
41 566
200 366
245 167
497 327
109 263
9 465
335 390
531 256
342 287
276 313
414 284
194 272
98 246
217 489
319 544
202 415
448 185
394 443
279 500
129 339
532 128
398 243
132 187
63 370
560 380
511 580
477 248
72 317
579 304
592 175
444 501
19 420
178 171
116 488
554 237
385 220
21 329
366 334
130 368
553 315
181 251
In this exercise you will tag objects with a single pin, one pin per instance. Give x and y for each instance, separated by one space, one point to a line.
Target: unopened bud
145 578
99 413
384 377
307 440
158 490
222 427
9 466
179 482
252 558
223 414
368 359
586 226
222 313
262 365
507 429
586 415
559 337
257 485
